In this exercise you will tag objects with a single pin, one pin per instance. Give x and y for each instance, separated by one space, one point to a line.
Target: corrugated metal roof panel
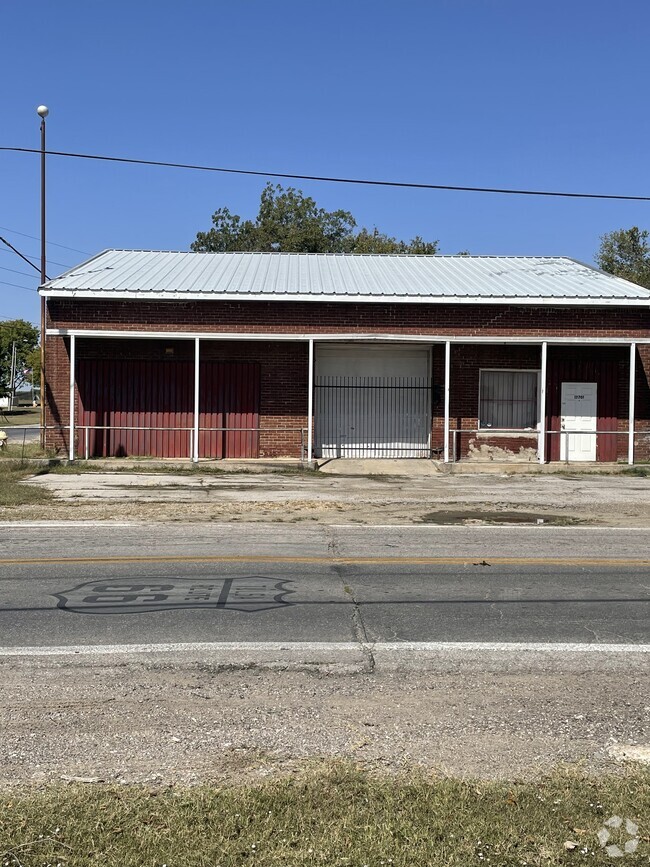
305 276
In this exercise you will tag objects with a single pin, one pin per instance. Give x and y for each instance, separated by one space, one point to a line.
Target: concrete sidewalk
379 498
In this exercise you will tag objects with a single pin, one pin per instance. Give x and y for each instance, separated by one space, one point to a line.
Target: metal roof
148 274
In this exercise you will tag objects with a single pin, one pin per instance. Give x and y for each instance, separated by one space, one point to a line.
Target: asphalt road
81 585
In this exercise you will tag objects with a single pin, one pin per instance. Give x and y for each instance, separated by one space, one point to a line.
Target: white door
372 401
579 414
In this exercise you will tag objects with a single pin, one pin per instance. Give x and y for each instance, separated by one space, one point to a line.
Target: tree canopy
626 253
26 337
291 222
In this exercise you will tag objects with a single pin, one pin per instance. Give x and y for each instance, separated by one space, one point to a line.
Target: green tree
291 222
376 242
26 337
626 253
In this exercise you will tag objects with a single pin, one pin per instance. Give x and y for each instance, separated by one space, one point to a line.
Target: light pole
43 112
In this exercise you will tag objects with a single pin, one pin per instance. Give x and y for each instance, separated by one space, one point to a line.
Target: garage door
372 402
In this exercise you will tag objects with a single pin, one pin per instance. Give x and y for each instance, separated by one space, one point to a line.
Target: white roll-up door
372 401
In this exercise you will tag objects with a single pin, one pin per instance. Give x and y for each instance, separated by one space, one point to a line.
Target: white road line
504 526
56 525
250 648
307 650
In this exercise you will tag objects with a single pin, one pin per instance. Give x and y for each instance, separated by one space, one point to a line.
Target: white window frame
482 370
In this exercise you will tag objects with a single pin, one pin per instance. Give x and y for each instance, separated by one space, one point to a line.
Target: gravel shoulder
169 721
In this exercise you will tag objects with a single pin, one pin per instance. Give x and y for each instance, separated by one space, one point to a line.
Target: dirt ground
163 721
614 500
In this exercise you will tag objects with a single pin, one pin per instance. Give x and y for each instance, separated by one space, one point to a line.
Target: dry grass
12 492
16 450
199 469
333 815
641 471
21 416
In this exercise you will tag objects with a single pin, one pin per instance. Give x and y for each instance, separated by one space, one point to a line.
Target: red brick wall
57 403
349 317
284 365
466 362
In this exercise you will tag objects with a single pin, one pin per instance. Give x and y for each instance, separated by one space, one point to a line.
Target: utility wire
29 259
13 271
17 286
33 259
335 180
49 243
18 253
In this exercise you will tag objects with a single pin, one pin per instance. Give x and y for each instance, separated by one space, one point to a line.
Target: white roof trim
343 338
512 301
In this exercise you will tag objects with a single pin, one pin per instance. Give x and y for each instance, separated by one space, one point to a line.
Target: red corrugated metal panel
605 374
122 394
229 399
130 398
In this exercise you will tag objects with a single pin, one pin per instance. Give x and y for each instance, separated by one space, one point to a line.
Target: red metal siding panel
123 394
606 445
230 399
605 374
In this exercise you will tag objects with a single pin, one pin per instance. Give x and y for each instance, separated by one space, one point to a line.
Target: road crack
358 626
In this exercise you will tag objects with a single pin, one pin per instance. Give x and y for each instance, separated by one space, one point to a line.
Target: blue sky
528 94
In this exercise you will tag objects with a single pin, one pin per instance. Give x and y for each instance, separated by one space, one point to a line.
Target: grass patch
15 450
640 472
28 415
12 493
175 470
337 816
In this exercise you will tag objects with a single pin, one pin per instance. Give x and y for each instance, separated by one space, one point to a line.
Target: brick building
211 355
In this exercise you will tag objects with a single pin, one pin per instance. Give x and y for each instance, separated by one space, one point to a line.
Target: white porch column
447 387
630 434
541 441
310 401
73 366
195 433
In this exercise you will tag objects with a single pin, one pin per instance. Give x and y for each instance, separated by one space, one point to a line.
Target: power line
13 271
33 259
28 259
18 253
18 286
334 180
49 243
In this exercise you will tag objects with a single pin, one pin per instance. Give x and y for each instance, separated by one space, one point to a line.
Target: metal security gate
372 416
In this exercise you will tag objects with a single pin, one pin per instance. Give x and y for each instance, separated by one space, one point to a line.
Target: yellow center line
390 561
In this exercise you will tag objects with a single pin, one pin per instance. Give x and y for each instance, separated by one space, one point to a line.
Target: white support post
447 391
73 365
310 402
631 423
197 377
541 441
